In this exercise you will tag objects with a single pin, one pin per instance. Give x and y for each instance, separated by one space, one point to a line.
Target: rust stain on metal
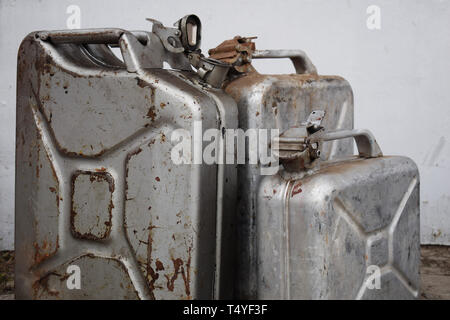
93 177
142 83
139 150
159 265
178 265
151 113
129 156
296 189
44 251
237 52
152 276
43 284
38 256
187 275
38 152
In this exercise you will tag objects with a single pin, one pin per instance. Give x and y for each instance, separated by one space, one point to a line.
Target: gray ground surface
435 273
6 274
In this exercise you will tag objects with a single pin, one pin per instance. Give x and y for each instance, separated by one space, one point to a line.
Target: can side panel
350 217
36 186
333 226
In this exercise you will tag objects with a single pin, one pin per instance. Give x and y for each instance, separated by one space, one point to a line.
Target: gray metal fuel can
102 210
345 228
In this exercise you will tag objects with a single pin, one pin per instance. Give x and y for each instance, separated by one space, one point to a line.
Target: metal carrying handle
365 141
89 36
133 44
301 61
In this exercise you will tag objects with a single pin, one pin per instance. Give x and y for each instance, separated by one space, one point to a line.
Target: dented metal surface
95 184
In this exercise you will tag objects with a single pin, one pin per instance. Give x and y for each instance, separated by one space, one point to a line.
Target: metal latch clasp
295 142
299 147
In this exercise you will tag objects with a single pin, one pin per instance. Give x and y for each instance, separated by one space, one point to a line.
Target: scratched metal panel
94 179
318 235
282 102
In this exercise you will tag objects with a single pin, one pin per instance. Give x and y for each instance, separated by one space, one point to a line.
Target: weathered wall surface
400 73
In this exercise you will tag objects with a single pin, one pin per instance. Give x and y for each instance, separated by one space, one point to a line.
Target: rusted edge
99 176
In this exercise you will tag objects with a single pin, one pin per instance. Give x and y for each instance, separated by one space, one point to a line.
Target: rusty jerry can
347 228
279 102
98 196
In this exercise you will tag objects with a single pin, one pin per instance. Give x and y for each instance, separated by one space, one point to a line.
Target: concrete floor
434 271
6 274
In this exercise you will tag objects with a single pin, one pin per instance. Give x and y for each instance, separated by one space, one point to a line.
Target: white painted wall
400 74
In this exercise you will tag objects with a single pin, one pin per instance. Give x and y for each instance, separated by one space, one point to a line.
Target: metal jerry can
102 209
278 101
338 229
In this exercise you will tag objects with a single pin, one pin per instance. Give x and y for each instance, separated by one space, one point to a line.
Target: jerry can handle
305 141
301 61
365 141
133 44
109 36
